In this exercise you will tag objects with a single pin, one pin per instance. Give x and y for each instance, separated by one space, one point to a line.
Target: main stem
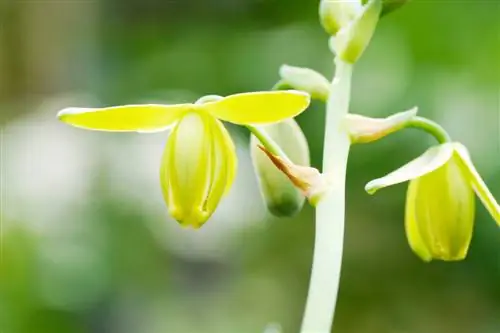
330 212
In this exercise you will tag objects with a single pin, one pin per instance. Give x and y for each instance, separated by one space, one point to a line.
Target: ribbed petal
223 166
477 182
412 230
126 118
429 161
259 107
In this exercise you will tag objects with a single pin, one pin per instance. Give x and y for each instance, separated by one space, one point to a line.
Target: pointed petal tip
64 113
372 187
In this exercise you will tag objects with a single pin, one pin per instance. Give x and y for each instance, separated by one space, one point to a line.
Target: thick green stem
330 212
430 127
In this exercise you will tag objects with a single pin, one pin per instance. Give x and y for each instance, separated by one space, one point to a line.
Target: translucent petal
131 118
412 231
429 161
477 182
259 107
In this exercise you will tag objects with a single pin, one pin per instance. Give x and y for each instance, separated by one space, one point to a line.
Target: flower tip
372 187
66 113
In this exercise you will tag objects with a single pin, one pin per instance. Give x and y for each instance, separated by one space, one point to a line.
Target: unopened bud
281 197
336 14
307 80
351 41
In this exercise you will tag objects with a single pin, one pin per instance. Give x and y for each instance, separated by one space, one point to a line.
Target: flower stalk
330 212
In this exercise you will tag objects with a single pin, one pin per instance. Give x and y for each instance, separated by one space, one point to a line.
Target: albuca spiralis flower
440 201
199 161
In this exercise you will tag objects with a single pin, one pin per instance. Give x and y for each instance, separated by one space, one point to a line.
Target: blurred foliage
86 245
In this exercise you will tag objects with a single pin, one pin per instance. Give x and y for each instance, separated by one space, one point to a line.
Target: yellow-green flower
199 161
440 201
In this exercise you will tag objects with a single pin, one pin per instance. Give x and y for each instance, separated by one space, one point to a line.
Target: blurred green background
86 243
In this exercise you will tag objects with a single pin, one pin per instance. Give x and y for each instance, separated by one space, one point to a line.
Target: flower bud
334 15
351 41
305 79
280 195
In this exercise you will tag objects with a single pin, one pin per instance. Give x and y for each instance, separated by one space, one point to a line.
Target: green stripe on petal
413 235
230 159
429 161
259 107
477 182
126 118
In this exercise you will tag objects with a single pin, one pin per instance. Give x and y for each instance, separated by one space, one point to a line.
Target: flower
440 201
280 195
199 161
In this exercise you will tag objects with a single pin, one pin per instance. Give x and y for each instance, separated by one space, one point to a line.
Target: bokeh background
86 242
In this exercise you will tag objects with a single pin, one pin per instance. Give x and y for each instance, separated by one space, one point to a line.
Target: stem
268 142
330 212
430 127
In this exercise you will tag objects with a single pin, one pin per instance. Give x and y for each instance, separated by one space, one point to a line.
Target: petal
230 155
412 229
259 107
429 161
223 166
185 171
126 118
477 182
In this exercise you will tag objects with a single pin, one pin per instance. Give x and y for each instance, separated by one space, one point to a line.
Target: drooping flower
281 196
440 202
199 160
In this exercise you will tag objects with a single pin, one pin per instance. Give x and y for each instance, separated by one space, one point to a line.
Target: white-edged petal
429 161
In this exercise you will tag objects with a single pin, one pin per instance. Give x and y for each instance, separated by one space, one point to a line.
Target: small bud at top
351 41
336 14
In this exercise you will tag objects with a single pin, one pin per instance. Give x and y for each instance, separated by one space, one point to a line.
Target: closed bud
281 197
351 41
335 14
306 79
